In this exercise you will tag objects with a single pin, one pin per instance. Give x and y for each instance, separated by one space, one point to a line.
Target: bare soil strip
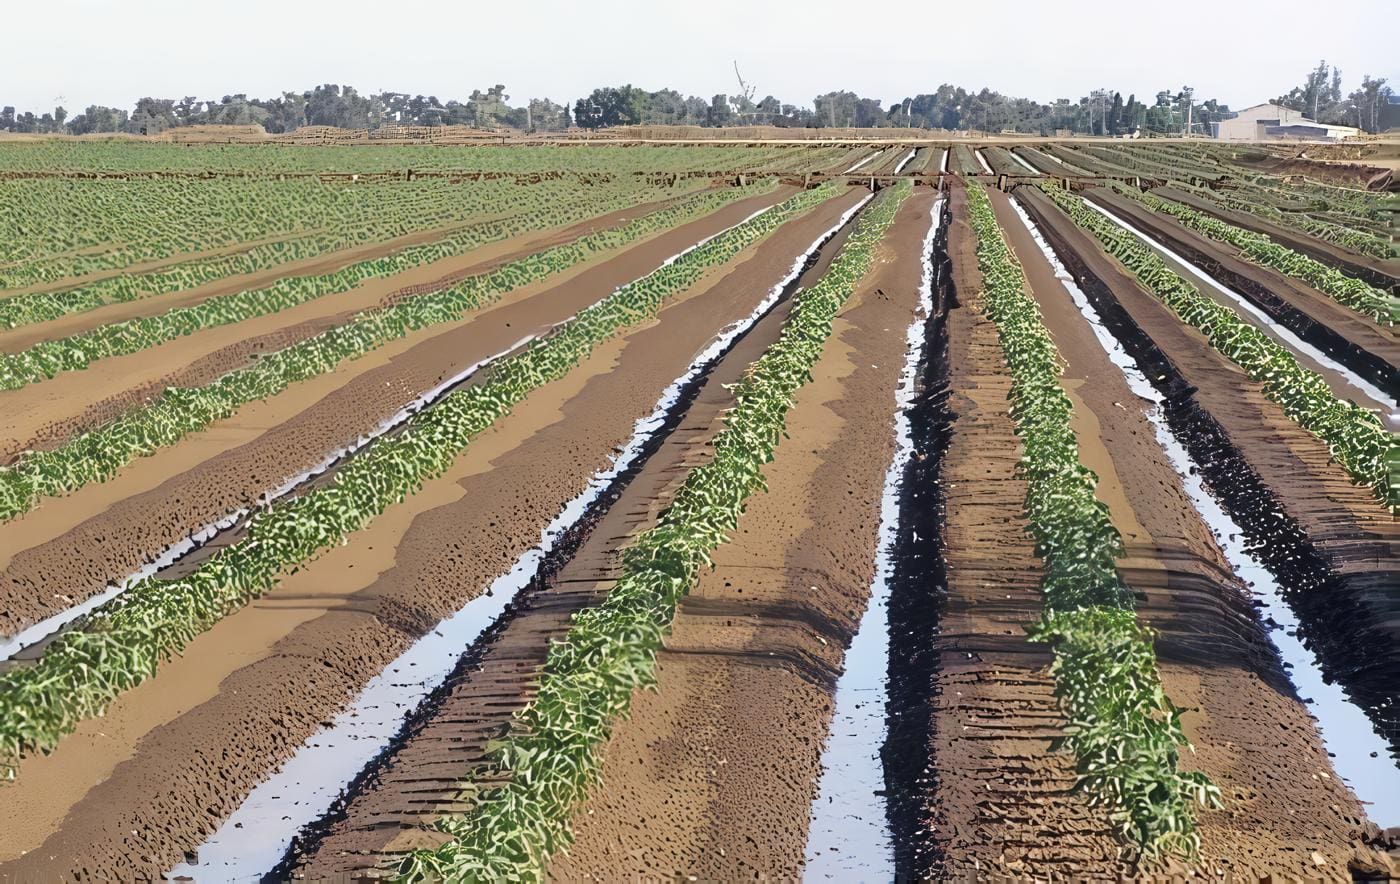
395 807
1380 272
14 340
1365 347
991 786
1253 736
713 774
1274 472
49 561
211 724
109 386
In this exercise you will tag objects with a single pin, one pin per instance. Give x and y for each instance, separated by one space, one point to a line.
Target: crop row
75 352
97 455
62 228
1123 730
123 642
1355 436
1258 248
551 755
397 211
256 160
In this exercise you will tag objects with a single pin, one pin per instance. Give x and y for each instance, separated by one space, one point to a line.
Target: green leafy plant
97 455
1124 732
1354 436
551 755
1258 248
124 641
75 352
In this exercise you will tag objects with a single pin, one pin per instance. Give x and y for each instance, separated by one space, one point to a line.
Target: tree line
1320 98
1102 112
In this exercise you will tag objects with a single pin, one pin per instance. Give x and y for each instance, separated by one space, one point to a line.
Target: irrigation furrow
182 557
1345 333
1022 163
1358 752
494 677
1331 554
135 525
864 161
253 839
849 811
76 665
1339 376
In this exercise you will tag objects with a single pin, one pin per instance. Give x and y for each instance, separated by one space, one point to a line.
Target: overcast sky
81 52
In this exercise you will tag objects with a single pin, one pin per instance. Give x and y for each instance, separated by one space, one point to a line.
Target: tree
1115 115
1367 102
609 106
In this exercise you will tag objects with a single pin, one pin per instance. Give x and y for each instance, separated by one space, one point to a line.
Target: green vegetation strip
1353 293
552 753
97 455
76 352
394 216
123 642
1356 437
1122 729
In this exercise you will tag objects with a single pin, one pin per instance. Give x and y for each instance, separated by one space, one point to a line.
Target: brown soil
997 788
15 340
155 501
1345 518
1341 174
423 776
1381 272
46 413
244 694
1348 336
1252 735
713 774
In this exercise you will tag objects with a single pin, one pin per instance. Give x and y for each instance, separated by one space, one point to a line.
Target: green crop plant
1124 732
124 641
97 455
1355 437
75 352
551 756
1256 247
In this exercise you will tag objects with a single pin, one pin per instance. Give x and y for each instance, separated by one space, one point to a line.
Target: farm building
1266 121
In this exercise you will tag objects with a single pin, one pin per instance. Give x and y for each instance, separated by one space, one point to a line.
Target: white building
1265 122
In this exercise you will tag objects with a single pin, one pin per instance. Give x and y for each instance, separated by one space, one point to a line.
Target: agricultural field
579 510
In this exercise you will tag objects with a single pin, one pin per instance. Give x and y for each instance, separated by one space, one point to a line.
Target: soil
154 502
216 720
395 811
993 787
1318 519
713 774
1253 736
1380 272
1341 174
1367 348
45 413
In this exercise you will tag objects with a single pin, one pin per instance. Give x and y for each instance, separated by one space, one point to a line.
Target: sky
81 52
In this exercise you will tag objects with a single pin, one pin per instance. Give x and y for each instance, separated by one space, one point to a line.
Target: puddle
1359 755
254 839
849 836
